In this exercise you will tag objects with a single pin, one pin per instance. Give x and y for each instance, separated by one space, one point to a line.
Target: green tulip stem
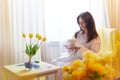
30 59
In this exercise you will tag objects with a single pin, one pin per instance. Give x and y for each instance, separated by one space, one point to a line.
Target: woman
86 39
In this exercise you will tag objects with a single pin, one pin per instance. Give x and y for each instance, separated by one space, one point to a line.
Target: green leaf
31 50
97 75
27 49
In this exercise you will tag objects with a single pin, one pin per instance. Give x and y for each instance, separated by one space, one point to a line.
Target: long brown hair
90 26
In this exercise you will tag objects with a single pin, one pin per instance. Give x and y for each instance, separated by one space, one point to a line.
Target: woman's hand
72 47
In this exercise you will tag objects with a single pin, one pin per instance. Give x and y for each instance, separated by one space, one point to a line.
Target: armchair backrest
110 44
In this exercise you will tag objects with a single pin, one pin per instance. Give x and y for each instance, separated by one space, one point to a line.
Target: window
60 16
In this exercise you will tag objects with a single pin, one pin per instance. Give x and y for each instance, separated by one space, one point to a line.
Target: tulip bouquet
92 67
31 47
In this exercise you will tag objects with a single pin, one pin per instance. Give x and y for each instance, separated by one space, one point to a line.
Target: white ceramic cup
71 42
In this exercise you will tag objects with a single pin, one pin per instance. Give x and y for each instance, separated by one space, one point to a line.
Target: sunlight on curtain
16 17
25 16
98 10
113 8
4 31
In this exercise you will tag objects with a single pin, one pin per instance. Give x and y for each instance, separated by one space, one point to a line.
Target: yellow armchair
110 44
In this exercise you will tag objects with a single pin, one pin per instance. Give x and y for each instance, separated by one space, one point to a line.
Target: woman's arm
95 47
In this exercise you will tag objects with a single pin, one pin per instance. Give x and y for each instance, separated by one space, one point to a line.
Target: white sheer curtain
61 24
16 17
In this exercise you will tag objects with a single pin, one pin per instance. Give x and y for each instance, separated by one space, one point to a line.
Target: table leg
38 78
56 75
46 77
3 75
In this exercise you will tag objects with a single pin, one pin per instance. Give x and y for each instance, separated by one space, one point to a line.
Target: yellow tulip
37 35
23 35
66 68
73 68
99 68
107 58
30 35
89 54
44 39
109 69
88 66
82 74
77 63
75 74
66 75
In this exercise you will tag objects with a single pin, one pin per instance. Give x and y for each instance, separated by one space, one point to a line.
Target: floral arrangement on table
92 67
32 46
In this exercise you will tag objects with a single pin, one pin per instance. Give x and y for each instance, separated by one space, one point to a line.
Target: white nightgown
93 45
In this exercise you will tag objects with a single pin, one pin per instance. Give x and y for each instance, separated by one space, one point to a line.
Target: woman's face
82 24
